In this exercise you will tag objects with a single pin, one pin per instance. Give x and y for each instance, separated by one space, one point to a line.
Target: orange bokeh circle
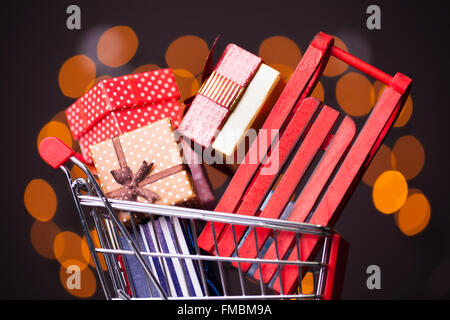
117 46
83 287
75 75
390 191
40 200
68 246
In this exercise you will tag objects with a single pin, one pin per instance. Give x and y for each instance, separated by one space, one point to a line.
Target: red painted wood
335 271
298 87
257 191
361 65
310 193
289 182
371 136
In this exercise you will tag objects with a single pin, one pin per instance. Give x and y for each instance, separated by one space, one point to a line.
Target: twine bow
130 189
133 183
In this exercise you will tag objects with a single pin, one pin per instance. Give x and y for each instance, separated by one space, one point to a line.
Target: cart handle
361 65
56 153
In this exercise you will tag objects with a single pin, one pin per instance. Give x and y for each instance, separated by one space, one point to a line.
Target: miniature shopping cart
307 130
98 212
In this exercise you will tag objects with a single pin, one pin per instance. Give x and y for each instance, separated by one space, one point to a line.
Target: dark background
413 40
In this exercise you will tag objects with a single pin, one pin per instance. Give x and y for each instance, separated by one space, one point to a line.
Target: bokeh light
68 246
40 200
187 52
380 163
414 215
88 282
335 66
75 75
61 117
407 109
318 92
146 68
355 94
55 129
280 50
87 253
405 114
76 173
308 283
390 191
409 156
187 84
117 46
284 70
42 235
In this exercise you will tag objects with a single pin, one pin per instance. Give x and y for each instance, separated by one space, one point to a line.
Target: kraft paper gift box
118 105
144 165
218 95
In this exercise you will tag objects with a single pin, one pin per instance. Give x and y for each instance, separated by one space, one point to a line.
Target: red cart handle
55 152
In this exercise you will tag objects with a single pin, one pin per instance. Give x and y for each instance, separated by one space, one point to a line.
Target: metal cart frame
95 210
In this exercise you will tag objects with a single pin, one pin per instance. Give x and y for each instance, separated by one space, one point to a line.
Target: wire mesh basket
159 258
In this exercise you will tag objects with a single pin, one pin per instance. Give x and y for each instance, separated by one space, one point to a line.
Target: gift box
239 130
144 165
219 94
118 105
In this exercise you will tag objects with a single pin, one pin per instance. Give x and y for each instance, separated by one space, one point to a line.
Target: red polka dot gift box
118 105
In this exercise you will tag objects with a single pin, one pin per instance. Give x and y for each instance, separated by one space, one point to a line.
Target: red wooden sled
305 129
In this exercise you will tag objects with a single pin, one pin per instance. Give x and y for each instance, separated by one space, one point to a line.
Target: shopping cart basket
97 212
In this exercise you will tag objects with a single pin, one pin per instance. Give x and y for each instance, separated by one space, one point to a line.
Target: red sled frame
296 117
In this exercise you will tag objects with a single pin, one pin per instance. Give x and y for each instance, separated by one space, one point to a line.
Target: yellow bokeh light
390 191
415 214
146 68
117 46
284 70
409 156
88 281
335 66
217 177
380 163
405 113
75 75
68 246
76 172
95 81
187 52
42 235
61 117
87 253
40 200
318 92
280 50
355 93
187 83
308 283
55 129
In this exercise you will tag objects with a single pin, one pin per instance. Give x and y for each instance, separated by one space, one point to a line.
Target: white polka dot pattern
153 143
118 105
